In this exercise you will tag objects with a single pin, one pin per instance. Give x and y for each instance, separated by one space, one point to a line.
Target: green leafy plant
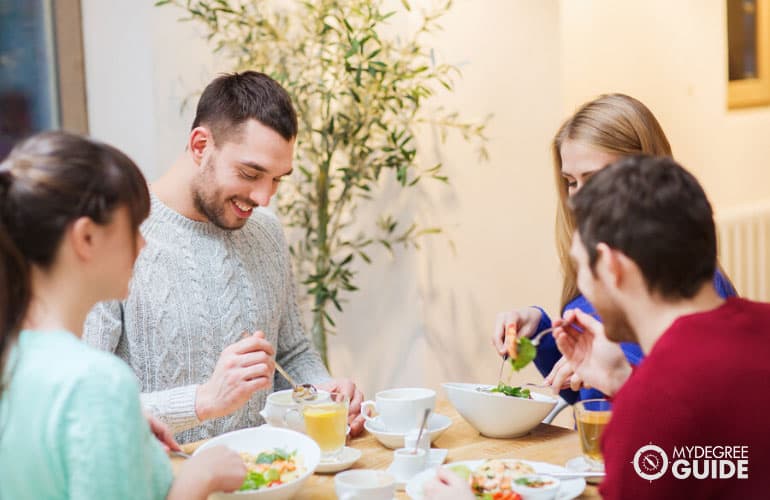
360 96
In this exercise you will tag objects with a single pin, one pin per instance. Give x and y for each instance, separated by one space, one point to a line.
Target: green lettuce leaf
516 392
526 352
254 480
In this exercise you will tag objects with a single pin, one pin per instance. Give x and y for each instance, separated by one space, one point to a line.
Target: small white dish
536 487
435 458
580 464
347 458
436 426
407 463
364 484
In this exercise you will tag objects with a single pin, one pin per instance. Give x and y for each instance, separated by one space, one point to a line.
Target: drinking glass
592 416
326 423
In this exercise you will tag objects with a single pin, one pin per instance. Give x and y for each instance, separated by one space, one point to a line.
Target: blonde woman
71 424
601 131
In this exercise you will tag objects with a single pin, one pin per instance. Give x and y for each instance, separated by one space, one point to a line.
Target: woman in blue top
600 132
71 424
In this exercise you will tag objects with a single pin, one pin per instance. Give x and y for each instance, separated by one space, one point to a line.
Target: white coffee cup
278 410
364 484
400 410
407 462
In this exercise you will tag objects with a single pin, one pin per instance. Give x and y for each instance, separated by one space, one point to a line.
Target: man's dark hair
656 213
231 99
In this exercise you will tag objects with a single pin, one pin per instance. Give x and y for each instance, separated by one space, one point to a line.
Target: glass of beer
326 423
592 416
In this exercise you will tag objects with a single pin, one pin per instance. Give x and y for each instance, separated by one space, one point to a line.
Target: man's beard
616 325
207 202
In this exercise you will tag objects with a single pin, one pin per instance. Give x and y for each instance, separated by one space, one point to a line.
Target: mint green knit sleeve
109 449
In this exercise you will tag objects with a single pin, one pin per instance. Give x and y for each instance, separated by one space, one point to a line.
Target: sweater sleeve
548 354
109 450
294 350
103 329
174 407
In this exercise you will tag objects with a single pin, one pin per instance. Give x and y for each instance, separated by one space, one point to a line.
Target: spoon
180 454
422 428
299 393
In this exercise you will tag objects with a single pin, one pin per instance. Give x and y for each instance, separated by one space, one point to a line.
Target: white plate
570 488
346 459
437 424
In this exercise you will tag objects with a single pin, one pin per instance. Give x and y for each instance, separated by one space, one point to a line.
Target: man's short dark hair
231 99
656 213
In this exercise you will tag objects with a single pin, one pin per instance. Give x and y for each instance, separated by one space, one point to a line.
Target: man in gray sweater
216 265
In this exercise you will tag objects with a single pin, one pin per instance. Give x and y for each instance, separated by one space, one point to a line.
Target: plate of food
495 479
278 461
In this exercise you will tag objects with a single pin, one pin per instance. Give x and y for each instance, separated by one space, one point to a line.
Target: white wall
141 65
426 317
673 57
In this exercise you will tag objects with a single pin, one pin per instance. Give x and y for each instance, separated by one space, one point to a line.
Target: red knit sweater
706 383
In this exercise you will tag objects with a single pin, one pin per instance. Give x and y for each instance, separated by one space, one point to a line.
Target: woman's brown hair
612 123
47 182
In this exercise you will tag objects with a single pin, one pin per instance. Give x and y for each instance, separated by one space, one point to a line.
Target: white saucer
580 464
437 424
436 457
346 459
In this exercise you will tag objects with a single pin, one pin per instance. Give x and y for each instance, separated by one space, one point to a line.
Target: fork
536 339
535 342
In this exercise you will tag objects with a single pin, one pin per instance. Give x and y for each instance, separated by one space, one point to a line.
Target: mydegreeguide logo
651 462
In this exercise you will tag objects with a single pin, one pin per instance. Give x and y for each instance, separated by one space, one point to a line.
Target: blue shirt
548 354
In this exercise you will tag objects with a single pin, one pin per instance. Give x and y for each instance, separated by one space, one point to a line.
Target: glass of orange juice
326 422
592 416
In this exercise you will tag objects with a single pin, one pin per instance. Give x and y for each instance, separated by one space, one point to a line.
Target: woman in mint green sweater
71 424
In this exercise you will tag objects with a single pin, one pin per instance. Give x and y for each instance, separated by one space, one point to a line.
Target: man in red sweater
690 421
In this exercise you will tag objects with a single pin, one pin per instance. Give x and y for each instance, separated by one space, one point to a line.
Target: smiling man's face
241 174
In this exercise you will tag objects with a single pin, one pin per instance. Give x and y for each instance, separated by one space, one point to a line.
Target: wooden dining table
545 443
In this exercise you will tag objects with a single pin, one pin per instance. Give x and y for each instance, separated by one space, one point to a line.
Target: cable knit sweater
196 288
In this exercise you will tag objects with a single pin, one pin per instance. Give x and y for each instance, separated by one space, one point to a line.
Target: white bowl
257 439
436 426
496 415
546 492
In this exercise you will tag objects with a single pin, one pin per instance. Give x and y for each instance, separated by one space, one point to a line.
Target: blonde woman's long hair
612 123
